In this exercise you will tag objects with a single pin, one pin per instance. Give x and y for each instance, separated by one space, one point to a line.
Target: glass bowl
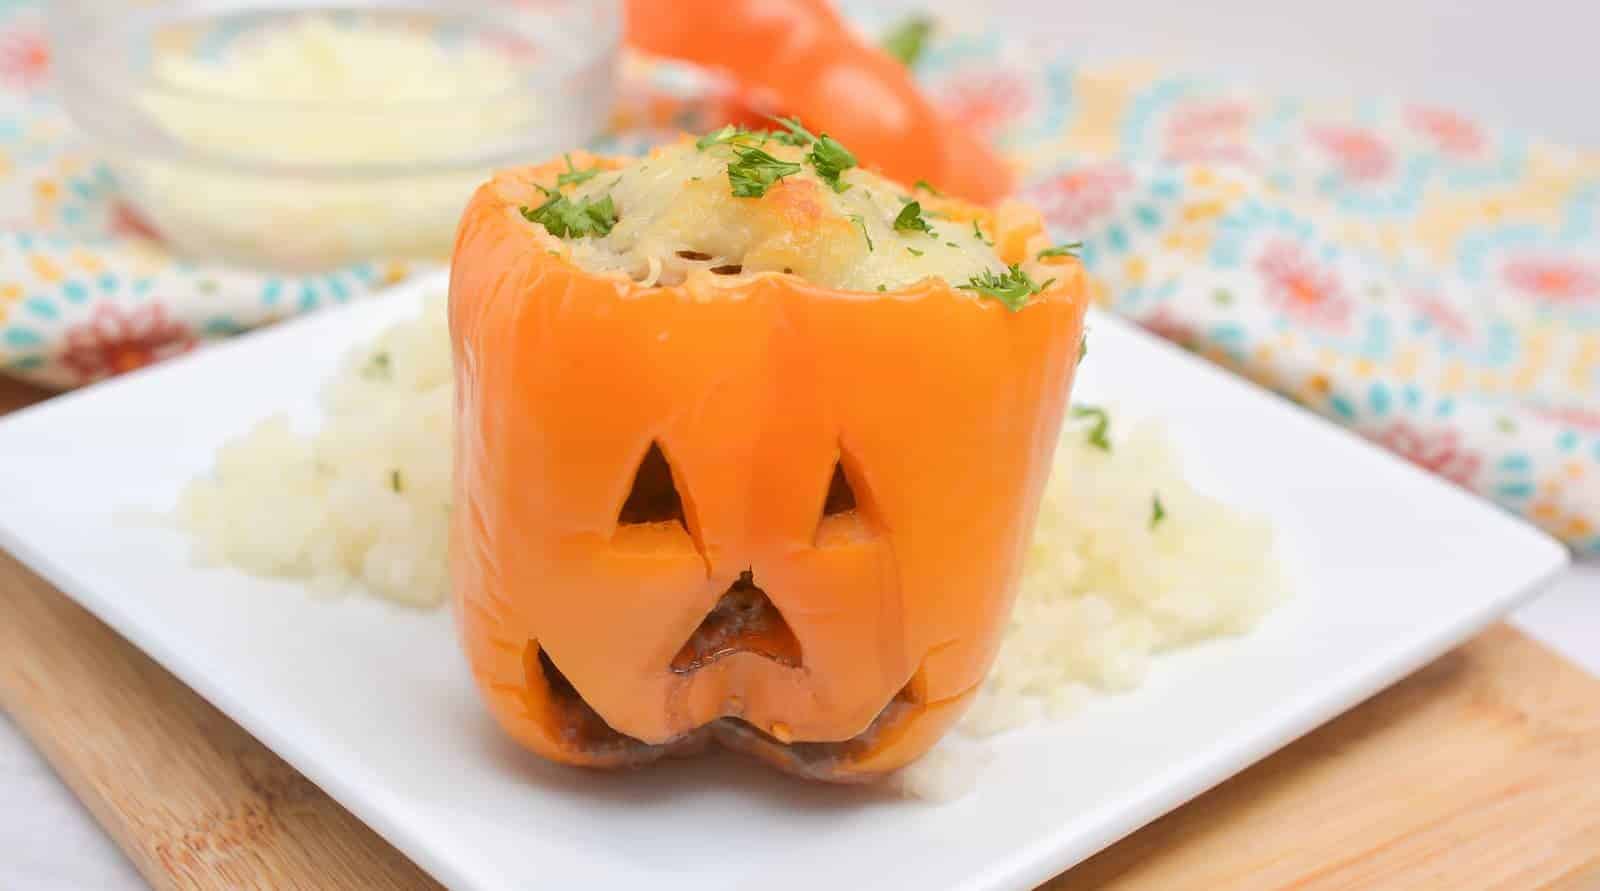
297 136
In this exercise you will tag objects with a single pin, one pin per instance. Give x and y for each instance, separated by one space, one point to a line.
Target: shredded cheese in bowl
316 72
296 140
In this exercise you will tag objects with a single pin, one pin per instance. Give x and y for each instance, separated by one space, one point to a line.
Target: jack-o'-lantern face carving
782 517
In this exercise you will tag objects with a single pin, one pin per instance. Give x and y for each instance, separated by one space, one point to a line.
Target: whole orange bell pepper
821 72
760 511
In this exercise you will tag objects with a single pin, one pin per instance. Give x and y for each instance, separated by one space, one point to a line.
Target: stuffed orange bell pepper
803 54
749 445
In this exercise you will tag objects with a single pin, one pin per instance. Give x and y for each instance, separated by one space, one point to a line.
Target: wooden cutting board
1480 771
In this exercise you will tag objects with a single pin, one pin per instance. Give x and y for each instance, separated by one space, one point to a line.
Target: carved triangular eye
654 497
841 498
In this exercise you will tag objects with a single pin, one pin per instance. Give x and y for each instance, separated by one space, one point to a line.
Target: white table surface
1524 66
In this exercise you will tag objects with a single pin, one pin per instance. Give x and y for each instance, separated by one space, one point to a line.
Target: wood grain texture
1480 771
15 394
195 801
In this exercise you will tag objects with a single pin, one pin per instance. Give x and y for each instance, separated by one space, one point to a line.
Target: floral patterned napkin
1428 281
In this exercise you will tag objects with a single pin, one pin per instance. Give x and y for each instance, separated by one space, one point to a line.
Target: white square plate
374 703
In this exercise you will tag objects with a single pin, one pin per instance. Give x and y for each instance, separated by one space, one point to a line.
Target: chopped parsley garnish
377 367
926 186
863 224
914 252
565 218
1012 287
1157 511
910 219
951 244
978 234
574 176
395 482
883 287
1083 347
1099 430
830 160
907 40
793 132
732 134
754 172
1070 249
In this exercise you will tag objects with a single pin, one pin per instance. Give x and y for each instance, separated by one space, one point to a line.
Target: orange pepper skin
942 410
802 52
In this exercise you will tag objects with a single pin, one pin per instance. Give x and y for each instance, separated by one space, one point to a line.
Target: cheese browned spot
678 216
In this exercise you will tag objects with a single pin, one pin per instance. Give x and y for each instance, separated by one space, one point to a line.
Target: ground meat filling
579 726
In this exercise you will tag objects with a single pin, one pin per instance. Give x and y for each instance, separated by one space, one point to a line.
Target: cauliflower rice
365 501
1128 559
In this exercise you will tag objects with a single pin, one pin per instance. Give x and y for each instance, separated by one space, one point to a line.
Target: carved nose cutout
843 521
841 498
654 497
743 621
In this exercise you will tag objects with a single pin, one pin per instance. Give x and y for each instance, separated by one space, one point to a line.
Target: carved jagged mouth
743 621
581 727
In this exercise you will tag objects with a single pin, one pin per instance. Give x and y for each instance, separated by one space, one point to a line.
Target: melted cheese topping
677 214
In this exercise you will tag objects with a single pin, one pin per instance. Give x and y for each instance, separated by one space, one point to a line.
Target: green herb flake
830 159
729 135
395 482
793 132
754 171
1012 287
883 287
1083 347
377 367
926 186
951 244
863 224
914 252
565 218
910 219
1100 429
978 234
1070 249
1157 511
574 176
906 40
